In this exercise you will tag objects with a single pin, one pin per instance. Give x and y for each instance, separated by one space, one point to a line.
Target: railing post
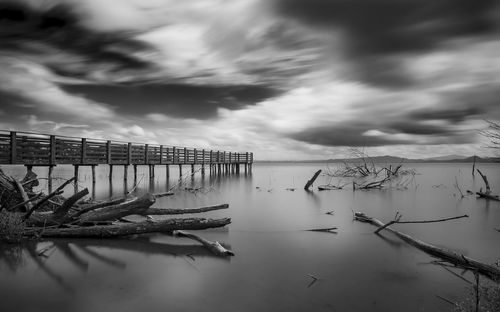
146 158
52 159
185 155
84 151
161 154
108 152
129 153
211 154
203 156
246 158
195 156
173 155
13 147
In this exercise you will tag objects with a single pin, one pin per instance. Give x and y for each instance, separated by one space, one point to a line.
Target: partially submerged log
215 247
492 272
487 193
135 206
170 211
123 229
311 181
328 187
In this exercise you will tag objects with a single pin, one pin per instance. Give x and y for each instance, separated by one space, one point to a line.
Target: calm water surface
356 270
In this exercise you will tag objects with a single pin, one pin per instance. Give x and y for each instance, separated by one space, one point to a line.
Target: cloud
380 27
176 100
381 38
52 34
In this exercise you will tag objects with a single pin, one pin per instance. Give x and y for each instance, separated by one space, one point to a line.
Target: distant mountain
394 159
448 157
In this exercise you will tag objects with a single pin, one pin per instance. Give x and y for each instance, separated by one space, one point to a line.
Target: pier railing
49 150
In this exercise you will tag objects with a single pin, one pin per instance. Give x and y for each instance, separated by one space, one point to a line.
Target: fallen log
123 229
488 196
46 198
328 187
63 210
28 205
310 182
91 207
455 258
36 197
215 247
326 230
159 195
170 211
135 206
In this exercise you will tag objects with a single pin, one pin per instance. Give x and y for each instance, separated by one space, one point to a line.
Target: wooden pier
35 149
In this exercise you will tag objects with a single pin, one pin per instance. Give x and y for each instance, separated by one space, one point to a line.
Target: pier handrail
31 148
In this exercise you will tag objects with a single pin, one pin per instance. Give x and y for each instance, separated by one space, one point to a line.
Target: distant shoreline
387 159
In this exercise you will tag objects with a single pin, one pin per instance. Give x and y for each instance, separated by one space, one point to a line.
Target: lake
355 269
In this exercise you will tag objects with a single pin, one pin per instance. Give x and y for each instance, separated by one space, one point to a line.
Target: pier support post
192 169
93 174
167 169
110 172
202 169
76 173
125 173
135 174
51 168
180 171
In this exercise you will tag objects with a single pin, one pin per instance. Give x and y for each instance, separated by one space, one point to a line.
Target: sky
285 79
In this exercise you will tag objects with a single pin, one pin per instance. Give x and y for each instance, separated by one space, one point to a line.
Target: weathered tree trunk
123 229
310 182
136 206
169 211
490 271
215 247
63 210
90 207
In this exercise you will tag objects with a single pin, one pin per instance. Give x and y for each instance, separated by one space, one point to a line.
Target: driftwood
135 206
28 205
159 195
69 218
91 207
328 187
310 182
215 247
326 230
398 218
486 194
123 229
58 191
492 272
169 211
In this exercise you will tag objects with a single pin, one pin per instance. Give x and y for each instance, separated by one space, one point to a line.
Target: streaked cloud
283 77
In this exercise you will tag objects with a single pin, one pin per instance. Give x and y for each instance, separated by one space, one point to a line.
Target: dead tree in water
311 181
487 193
492 272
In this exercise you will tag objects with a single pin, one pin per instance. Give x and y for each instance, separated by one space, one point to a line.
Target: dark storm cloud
343 135
26 30
418 128
449 114
354 134
389 26
376 31
184 101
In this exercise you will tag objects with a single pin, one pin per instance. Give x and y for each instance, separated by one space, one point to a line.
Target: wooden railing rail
29 148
